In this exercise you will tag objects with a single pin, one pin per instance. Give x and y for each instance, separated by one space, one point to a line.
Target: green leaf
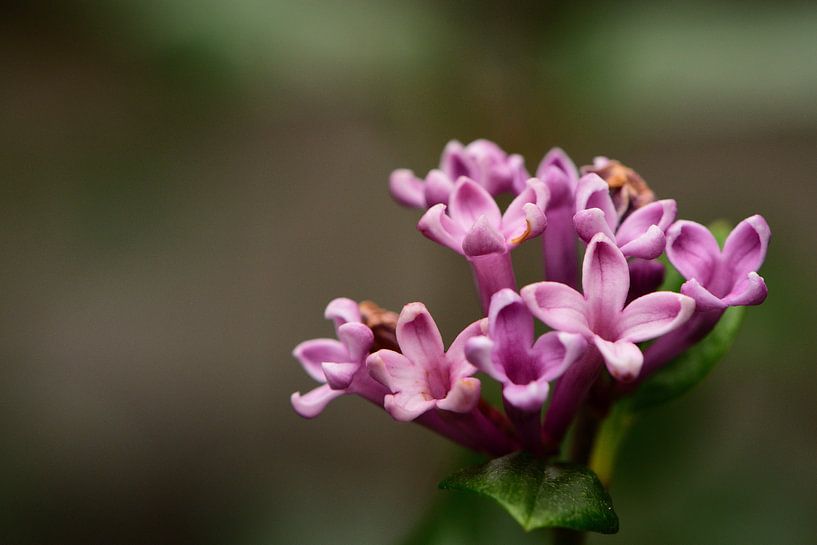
539 494
688 369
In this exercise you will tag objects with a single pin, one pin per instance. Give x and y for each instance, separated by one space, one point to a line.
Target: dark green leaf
539 494
692 366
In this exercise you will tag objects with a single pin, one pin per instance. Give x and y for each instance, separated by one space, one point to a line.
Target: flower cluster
596 333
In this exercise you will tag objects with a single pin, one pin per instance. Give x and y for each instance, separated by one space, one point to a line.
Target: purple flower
601 315
509 354
559 174
481 160
715 279
425 376
472 225
338 364
641 234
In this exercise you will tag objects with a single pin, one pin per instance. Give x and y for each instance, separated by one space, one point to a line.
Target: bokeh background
186 184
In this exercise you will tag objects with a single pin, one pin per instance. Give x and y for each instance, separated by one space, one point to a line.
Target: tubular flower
559 174
719 279
601 315
509 354
338 364
641 234
472 225
482 160
424 376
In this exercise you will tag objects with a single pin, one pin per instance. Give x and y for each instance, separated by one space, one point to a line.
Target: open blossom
600 313
641 234
481 160
424 376
715 279
509 354
472 225
338 364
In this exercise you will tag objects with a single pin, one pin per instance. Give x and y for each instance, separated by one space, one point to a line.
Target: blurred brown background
186 184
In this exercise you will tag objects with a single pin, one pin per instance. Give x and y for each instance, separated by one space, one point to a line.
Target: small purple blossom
482 161
473 226
424 376
509 354
338 364
558 172
719 279
640 234
600 313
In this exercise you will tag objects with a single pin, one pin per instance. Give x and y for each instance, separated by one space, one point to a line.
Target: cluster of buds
400 362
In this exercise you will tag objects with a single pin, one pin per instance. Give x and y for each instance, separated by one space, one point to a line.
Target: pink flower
481 160
337 364
600 314
473 226
719 279
509 354
641 234
425 376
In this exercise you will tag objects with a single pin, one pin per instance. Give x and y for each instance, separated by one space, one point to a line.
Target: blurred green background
186 184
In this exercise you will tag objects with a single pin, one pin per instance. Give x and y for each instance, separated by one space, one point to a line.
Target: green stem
608 441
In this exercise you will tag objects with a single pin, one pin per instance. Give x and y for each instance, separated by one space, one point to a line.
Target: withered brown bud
383 324
627 188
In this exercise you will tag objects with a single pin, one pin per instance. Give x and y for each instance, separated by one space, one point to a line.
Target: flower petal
520 174
528 397
418 336
559 306
483 239
653 315
314 352
510 326
462 397
458 363
648 245
313 402
556 351
395 371
478 351
437 226
623 358
339 375
704 299
692 250
526 213
342 310
593 192
438 188
407 406
605 281
745 247
557 158
455 162
750 291
660 213
469 201
357 338
591 221
407 189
